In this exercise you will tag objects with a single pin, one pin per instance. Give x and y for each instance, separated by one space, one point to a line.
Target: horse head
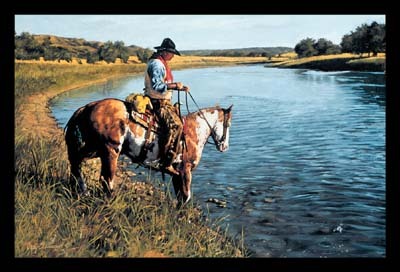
221 128
214 122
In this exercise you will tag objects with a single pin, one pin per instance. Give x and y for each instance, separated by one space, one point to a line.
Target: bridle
226 123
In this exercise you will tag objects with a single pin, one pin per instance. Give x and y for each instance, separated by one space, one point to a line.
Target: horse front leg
108 168
182 183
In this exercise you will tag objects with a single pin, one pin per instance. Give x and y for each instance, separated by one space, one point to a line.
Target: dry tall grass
140 220
209 60
345 61
38 77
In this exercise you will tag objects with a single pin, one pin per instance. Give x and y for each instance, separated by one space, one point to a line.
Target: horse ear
230 108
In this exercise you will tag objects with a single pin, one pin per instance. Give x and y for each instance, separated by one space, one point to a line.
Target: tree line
364 39
240 52
29 47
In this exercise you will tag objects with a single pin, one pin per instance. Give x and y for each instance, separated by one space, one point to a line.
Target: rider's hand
181 87
186 88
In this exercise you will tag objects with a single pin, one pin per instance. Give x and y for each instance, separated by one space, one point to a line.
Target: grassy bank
198 61
31 78
341 62
140 220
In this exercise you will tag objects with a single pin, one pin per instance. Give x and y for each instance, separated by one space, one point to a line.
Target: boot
172 170
171 148
170 157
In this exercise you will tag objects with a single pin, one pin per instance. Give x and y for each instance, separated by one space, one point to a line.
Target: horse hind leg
77 180
76 154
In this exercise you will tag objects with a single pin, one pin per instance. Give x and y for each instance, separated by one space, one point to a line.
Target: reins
213 134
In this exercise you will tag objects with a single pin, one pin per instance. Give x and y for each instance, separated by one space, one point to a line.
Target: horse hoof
84 193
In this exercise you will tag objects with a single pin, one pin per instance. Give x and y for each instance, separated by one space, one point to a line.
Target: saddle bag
139 102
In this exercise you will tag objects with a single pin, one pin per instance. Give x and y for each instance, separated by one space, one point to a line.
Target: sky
191 32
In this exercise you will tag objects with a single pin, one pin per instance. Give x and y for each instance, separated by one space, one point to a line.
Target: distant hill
34 46
78 46
75 46
250 52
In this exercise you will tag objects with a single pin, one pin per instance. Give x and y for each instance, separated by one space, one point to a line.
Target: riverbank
36 83
340 62
139 221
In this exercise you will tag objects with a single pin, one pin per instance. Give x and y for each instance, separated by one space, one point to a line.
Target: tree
253 54
347 43
305 48
334 49
144 54
110 51
376 36
105 52
92 57
26 47
360 40
50 53
365 39
64 54
323 46
121 51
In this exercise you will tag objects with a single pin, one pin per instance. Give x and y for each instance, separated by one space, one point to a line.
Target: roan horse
105 129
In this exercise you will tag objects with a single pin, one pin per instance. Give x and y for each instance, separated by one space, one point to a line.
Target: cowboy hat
168 45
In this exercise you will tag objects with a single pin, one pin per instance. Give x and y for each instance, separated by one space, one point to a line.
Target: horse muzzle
222 147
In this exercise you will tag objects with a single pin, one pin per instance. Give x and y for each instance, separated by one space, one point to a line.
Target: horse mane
193 114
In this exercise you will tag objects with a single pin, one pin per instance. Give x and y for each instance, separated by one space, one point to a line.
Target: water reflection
372 85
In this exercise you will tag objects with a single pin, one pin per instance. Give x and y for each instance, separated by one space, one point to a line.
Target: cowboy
159 85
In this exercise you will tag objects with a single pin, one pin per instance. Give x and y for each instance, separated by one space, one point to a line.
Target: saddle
140 102
141 112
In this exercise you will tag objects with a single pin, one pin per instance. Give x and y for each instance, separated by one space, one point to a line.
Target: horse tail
73 131
73 121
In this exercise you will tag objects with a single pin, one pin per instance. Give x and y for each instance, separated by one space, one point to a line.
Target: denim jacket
154 82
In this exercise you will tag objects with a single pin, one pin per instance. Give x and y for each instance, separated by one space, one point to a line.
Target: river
305 172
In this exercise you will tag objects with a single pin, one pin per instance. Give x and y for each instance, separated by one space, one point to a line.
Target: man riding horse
159 85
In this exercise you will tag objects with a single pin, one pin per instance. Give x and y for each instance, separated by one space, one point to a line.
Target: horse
106 129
